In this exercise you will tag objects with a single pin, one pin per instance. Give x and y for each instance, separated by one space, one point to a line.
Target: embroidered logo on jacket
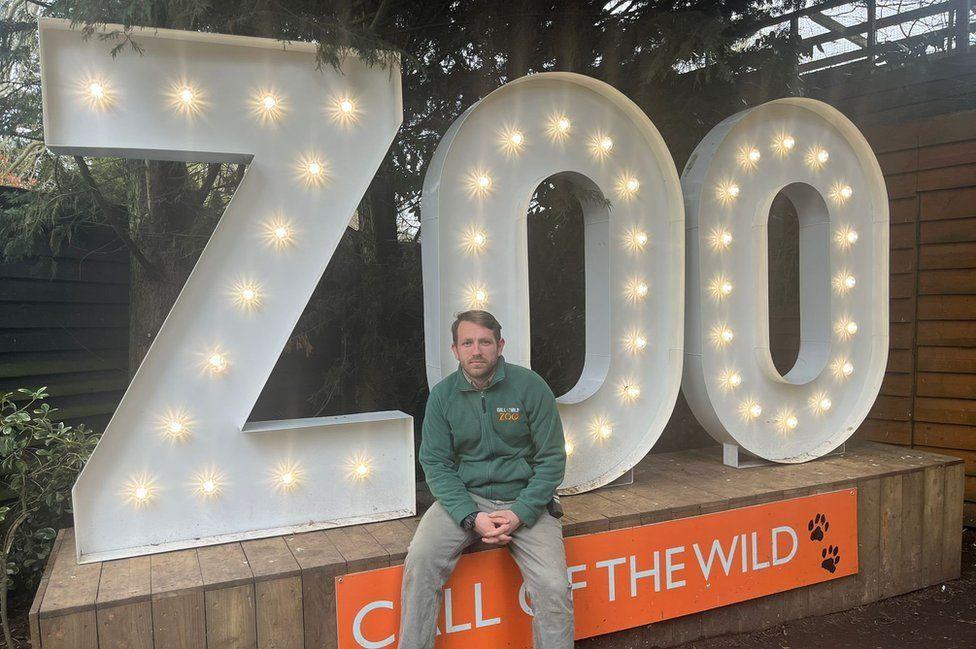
508 414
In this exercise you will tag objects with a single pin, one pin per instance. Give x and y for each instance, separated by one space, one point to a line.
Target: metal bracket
737 458
626 479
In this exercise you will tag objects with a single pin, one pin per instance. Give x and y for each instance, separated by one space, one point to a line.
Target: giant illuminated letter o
474 238
822 163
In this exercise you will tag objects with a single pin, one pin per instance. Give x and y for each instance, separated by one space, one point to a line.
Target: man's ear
454 350
501 345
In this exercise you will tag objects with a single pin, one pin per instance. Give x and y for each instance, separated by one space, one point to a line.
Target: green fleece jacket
504 442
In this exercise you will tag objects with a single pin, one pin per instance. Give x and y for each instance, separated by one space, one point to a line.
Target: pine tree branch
114 214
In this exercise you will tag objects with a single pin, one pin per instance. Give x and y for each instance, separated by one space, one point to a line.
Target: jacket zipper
484 431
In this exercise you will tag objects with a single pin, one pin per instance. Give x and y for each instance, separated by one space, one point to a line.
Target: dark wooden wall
921 122
64 324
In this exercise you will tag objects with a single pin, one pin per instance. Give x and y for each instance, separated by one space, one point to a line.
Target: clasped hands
496 528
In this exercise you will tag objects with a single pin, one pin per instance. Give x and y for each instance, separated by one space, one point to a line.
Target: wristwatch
468 521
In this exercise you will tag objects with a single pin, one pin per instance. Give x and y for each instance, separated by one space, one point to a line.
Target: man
493 452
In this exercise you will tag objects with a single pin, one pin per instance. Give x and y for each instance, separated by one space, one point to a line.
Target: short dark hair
481 318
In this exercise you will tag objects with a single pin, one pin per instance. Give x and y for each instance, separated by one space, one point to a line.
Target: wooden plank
178 609
948 231
956 203
947 307
320 562
231 620
360 550
897 385
933 256
947 282
868 584
279 613
968 457
913 485
393 536
952 522
901 335
903 210
47 291
901 185
90 270
228 596
890 546
892 408
902 235
947 178
123 605
949 154
901 285
66 617
947 385
933 521
898 162
277 592
945 436
33 619
946 411
947 359
888 432
947 333
28 316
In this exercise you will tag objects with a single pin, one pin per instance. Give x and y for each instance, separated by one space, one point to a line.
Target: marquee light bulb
186 95
270 102
474 240
845 328
820 403
359 467
720 288
601 145
559 127
479 183
842 368
727 192
344 110
791 422
96 91
278 233
749 157
477 297
287 478
601 428
247 295
783 144
636 240
627 187
630 392
637 290
845 237
569 447
217 363
720 239
139 491
841 193
722 336
730 379
312 171
817 157
635 342
750 409
512 141
844 282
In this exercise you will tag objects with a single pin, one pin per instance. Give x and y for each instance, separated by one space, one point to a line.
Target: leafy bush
39 461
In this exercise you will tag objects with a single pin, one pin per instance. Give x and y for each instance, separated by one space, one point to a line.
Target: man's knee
550 590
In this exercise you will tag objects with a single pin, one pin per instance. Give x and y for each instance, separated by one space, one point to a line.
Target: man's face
476 349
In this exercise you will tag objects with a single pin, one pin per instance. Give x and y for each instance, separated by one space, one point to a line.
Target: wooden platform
279 592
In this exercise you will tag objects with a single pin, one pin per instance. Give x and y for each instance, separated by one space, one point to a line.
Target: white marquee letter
475 202
178 463
822 163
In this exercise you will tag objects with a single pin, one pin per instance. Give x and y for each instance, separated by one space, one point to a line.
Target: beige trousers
435 549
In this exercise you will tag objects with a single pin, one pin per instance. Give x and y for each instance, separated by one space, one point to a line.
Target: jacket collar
463 385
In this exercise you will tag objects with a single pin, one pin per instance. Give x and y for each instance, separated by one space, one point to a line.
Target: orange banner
625 578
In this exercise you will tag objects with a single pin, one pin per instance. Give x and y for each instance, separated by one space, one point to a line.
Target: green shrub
39 461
